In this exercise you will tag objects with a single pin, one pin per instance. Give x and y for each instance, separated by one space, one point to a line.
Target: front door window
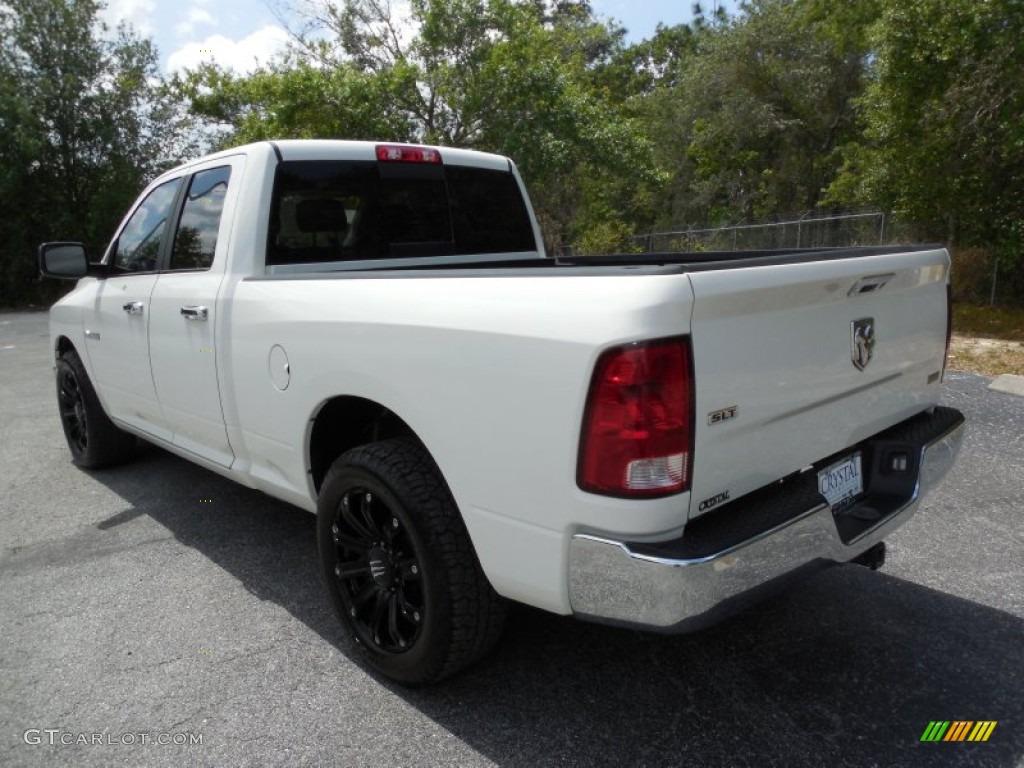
138 246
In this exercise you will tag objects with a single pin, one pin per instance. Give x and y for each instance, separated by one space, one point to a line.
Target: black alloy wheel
399 565
95 441
72 411
378 573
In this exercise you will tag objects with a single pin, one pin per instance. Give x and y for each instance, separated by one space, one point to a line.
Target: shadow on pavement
846 669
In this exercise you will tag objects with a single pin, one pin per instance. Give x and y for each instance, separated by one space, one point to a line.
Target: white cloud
196 17
242 56
137 13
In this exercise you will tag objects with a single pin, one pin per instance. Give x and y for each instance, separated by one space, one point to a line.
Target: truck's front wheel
399 565
93 438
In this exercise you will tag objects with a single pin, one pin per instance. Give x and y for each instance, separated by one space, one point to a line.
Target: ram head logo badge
862 342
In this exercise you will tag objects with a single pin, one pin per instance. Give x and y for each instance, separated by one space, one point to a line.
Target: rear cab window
356 210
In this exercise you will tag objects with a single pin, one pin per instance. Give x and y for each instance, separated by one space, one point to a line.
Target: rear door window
196 239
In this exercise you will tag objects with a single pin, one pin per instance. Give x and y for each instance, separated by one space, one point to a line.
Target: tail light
637 437
403 153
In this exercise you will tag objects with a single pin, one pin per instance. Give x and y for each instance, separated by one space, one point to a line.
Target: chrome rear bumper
676 587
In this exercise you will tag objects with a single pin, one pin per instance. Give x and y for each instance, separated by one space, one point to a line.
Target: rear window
342 210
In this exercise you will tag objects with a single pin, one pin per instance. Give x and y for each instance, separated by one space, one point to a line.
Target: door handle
195 313
133 307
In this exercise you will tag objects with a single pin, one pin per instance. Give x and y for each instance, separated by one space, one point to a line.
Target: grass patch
987 340
988 322
986 356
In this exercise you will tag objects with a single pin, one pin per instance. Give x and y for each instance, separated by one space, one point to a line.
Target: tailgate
795 362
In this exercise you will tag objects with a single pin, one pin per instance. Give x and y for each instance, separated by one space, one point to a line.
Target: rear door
795 362
184 321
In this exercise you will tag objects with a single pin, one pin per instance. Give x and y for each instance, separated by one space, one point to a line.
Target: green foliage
751 126
528 79
943 134
908 105
300 101
77 138
575 146
989 322
653 64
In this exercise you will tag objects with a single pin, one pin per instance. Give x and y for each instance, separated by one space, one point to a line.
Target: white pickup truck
373 332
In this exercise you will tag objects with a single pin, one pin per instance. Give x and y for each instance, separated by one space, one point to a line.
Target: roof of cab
336 149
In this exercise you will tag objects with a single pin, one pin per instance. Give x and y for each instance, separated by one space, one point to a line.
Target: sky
239 34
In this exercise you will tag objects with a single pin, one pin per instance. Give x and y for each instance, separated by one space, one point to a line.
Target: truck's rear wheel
93 438
400 568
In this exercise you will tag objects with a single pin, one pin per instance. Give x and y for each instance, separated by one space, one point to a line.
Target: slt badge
862 342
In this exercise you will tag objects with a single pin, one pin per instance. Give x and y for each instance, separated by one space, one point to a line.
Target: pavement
158 601
1010 383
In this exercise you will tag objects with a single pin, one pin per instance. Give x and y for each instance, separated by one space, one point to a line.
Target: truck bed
669 262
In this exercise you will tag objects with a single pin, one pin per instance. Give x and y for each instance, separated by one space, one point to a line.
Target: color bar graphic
959 730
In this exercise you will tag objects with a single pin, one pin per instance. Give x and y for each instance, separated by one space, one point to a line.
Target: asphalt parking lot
160 601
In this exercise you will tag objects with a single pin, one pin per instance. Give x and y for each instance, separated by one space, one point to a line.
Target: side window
196 239
138 245
318 207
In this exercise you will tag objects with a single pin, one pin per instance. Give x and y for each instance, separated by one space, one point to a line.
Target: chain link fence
977 276
810 230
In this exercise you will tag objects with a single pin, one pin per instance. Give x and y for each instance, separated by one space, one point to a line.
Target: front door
117 328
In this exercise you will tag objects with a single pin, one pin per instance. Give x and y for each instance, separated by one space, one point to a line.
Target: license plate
841 482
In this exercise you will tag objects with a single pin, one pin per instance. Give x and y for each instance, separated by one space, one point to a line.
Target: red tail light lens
398 153
637 437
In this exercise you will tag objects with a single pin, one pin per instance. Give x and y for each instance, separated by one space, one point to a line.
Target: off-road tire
393 547
94 440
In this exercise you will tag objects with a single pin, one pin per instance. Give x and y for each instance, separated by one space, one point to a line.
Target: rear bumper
736 555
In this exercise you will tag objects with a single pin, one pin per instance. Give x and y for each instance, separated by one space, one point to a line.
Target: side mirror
66 261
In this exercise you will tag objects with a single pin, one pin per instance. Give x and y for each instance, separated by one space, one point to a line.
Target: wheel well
64 345
346 422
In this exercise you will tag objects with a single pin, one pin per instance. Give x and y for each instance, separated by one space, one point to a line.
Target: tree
292 100
942 135
650 65
77 131
751 125
528 79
